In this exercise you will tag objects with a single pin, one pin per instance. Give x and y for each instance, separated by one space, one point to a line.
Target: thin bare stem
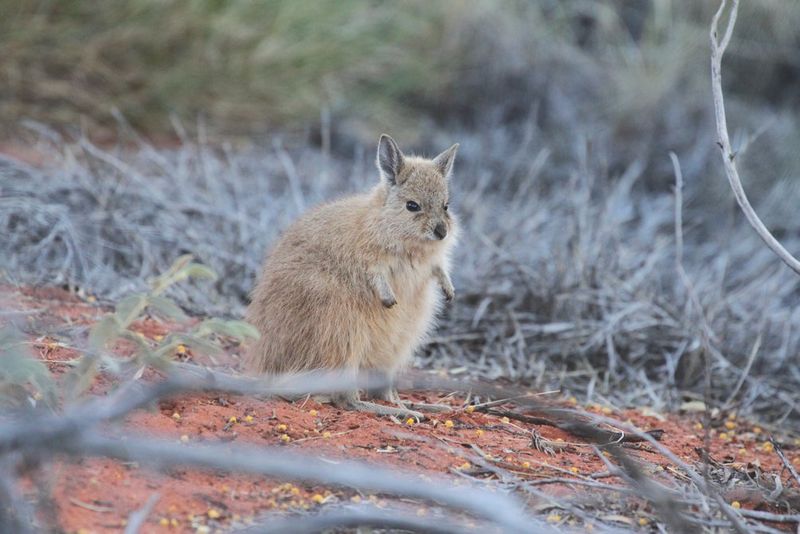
728 155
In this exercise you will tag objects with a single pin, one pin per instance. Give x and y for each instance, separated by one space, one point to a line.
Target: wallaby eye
412 206
446 206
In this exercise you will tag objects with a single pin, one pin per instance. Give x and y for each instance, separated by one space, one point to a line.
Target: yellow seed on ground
176 416
356 499
796 442
285 438
643 522
203 529
505 420
479 432
465 465
184 439
312 413
470 409
730 425
553 518
233 419
248 418
326 435
295 490
573 469
448 423
180 349
572 400
281 428
768 446
317 498
213 513
736 505
410 421
158 337
526 465
174 523
164 522
724 436
742 451
91 298
756 430
698 426
606 410
731 416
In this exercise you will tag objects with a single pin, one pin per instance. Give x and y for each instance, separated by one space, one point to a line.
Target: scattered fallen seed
176 416
248 418
448 423
213 513
285 438
233 419
281 428
736 505
553 518
312 413
326 435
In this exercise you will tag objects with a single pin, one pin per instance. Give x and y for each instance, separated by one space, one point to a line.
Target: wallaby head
416 192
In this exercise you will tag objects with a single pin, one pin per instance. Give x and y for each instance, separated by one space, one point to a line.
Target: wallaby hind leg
350 401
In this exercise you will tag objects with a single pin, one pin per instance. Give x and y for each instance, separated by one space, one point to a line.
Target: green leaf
198 270
239 330
166 308
19 367
104 332
129 308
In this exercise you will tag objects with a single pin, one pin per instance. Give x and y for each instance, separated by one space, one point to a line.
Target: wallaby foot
392 396
350 401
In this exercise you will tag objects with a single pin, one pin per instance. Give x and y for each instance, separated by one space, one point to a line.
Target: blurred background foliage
250 66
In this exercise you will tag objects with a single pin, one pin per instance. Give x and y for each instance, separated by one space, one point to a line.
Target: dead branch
497 508
363 516
728 155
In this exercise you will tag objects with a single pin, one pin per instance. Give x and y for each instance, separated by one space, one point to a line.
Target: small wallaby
355 284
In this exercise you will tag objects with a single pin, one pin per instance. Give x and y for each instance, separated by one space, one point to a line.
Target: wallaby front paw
388 302
449 293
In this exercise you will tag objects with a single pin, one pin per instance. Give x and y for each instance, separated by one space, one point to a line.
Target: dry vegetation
580 269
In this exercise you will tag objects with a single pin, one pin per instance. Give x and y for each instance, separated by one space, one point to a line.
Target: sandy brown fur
356 283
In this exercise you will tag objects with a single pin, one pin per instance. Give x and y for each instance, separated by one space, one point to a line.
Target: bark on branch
718 47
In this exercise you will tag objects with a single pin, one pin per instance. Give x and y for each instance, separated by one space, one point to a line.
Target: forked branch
718 47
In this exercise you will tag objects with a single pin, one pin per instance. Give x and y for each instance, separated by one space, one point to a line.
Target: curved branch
728 156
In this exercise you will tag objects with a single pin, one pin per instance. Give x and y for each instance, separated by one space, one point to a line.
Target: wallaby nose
440 231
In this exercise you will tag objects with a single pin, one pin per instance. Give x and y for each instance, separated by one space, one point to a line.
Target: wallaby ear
390 159
444 161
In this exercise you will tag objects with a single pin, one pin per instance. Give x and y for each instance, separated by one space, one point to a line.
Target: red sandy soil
98 495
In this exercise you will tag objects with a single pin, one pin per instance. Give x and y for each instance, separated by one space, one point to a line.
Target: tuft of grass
565 276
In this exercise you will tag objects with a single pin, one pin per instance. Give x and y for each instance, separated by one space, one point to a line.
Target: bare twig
363 516
728 155
137 518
